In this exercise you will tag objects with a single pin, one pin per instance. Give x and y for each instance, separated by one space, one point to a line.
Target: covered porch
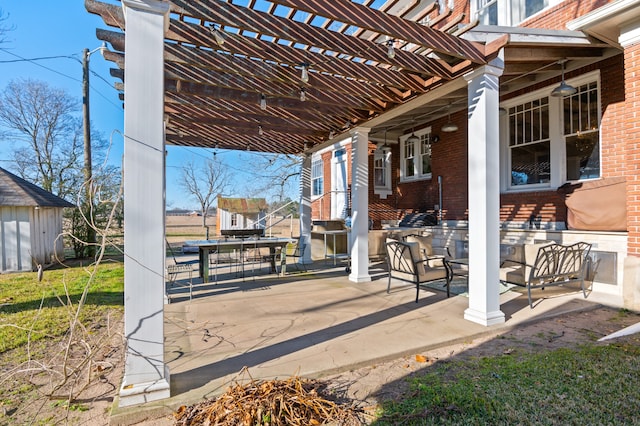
208 74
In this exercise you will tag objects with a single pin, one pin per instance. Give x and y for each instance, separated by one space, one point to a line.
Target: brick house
546 142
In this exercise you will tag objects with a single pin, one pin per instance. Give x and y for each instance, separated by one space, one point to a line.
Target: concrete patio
312 324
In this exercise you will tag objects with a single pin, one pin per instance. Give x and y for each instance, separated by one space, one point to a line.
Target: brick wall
632 142
556 18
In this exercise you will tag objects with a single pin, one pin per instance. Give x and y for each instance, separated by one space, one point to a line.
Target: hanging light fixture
391 52
217 34
449 126
263 102
413 138
304 73
563 89
260 130
303 95
332 134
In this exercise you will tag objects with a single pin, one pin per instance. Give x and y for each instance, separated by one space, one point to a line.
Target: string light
304 74
263 102
391 51
217 34
260 131
303 95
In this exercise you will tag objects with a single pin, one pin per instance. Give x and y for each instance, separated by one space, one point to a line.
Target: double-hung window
548 141
382 171
529 142
317 177
415 161
507 12
582 132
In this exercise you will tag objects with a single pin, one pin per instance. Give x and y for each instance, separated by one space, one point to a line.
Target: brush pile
294 401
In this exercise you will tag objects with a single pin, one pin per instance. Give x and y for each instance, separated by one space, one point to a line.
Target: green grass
593 384
45 308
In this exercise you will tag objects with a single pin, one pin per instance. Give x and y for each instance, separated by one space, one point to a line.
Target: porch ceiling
212 91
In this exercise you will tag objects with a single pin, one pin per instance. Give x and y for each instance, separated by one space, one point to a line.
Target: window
529 143
547 141
234 219
487 11
416 157
382 171
317 177
581 133
507 13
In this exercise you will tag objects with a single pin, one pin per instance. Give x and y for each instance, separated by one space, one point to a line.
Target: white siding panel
15 234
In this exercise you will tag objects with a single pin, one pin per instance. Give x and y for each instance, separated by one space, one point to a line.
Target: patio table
206 247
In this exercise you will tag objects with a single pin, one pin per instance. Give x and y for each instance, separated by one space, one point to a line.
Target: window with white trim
382 171
234 219
317 177
548 141
415 161
529 142
582 133
507 13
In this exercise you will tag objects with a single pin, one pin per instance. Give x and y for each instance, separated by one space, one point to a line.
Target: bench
547 264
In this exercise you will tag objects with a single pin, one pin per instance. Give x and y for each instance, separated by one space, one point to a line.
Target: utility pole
88 174
86 122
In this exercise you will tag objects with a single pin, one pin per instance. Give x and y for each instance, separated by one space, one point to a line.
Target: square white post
484 194
359 238
145 375
305 208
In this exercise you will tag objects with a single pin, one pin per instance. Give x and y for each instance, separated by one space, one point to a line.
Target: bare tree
205 183
42 123
275 175
4 27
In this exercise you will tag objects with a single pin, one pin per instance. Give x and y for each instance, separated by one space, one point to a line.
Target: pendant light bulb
391 51
217 35
304 75
303 95
260 131
263 102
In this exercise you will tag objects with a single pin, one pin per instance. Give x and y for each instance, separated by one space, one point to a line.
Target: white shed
241 213
30 223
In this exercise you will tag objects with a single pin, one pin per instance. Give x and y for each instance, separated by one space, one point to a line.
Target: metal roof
242 205
17 192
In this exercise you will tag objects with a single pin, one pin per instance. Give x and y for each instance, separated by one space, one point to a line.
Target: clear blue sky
43 28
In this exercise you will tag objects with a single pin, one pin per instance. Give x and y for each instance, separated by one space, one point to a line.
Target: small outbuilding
30 223
241 214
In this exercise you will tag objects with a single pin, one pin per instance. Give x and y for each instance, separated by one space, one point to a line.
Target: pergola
291 76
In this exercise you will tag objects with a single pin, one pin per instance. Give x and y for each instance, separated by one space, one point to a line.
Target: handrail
271 215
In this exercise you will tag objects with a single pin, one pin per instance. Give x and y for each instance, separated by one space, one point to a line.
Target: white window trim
418 164
556 135
505 11
315 157
383 191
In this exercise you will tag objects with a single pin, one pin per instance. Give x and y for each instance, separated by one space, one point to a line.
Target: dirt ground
366 386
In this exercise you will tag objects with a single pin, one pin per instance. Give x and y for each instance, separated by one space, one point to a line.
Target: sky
45 28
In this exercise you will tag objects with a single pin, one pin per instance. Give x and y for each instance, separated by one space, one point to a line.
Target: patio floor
312 324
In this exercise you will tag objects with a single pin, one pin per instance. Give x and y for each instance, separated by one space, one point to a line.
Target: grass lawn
32 309
589 385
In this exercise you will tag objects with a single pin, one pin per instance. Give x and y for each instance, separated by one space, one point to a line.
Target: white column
305 207
145 376
359 238
484 195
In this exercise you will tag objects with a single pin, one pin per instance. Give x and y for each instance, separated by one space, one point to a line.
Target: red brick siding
632 142
556 18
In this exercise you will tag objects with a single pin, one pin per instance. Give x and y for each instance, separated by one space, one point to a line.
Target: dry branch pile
294 401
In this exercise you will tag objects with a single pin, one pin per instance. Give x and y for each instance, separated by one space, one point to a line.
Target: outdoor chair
547 264
406 263
291 250
180 266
